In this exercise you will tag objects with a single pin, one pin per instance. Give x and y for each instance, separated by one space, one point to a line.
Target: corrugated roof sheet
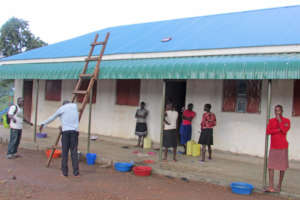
277 26
274 66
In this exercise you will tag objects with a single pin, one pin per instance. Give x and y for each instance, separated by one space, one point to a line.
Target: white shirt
69 117
18 116
171 117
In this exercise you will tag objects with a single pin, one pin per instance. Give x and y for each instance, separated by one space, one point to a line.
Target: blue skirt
185 133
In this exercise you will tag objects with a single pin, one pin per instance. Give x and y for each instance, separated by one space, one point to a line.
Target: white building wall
151 93
108 118
235 132
18 89
45 108
242 132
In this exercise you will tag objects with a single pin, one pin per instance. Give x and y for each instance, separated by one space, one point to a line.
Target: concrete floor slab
224 168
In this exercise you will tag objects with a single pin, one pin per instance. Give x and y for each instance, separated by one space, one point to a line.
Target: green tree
15 37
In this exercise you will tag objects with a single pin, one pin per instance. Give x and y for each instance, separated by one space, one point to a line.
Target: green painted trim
263 66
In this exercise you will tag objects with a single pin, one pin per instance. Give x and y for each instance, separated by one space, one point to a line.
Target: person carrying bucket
69 117
206 137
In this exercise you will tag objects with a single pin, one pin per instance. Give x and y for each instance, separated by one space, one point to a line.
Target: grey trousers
69 142
14 141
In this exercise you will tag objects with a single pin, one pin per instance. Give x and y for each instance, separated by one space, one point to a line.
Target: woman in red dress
278 154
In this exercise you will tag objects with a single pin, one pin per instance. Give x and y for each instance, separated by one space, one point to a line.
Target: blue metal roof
268 27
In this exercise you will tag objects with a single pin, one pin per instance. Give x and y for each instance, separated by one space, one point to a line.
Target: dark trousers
14 141
69 141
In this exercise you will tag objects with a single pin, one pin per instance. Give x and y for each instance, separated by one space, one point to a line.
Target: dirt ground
28 178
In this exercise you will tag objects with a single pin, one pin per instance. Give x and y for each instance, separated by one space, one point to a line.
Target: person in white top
15 113
170 130
69 116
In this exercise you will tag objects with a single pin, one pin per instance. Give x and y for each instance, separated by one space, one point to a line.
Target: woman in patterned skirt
278 155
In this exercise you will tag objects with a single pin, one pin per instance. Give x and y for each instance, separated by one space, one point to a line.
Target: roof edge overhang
247 67
190 53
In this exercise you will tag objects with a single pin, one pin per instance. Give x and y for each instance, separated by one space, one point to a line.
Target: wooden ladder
92 77
84 76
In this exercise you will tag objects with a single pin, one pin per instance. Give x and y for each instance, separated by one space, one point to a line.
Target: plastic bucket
147 143
196 150
189 147
91 158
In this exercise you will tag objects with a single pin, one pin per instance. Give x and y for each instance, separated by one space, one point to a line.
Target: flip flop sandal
270 190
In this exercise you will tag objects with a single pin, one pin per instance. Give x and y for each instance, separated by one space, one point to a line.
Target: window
128 92
53 90
296 98
241 96
84 86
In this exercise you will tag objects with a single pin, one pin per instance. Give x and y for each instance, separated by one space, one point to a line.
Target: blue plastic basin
241 188
123 166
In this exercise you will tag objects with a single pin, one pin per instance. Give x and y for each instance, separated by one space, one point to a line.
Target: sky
57 20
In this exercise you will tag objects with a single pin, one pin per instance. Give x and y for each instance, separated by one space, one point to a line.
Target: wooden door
27 93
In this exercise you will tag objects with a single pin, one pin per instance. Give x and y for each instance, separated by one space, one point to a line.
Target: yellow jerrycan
196 149
189 146
147 143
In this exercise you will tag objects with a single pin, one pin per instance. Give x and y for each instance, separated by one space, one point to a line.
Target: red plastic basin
56 154
142 170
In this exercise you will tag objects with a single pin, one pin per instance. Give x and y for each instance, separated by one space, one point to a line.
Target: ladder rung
86 75
79 92
97 43
92 59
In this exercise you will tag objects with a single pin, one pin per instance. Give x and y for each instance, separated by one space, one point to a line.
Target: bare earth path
34 181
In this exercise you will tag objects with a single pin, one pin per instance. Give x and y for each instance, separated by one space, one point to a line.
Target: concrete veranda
223 169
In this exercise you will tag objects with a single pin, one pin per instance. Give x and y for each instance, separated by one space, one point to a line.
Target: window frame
130 97
236 97
58 85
